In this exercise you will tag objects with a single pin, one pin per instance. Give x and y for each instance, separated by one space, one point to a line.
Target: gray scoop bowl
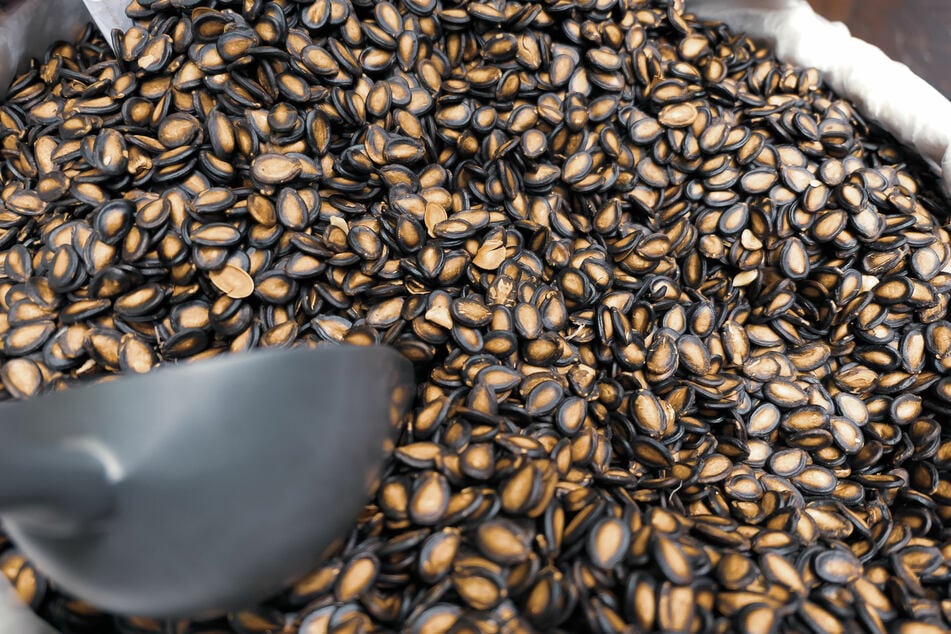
199 488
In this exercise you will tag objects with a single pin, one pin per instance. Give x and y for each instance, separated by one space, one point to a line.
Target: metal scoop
196 488
202 487
108 15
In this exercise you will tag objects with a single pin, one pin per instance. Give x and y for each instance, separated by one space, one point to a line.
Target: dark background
915 32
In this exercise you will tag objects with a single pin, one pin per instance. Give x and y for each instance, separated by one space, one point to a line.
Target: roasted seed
677 312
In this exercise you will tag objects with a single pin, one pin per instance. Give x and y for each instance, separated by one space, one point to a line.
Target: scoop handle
54 489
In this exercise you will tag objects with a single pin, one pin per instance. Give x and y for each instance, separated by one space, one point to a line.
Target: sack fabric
883 90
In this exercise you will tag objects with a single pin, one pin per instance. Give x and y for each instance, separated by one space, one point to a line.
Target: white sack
883 90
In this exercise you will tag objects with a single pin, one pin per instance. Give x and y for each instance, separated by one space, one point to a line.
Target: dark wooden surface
915 32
